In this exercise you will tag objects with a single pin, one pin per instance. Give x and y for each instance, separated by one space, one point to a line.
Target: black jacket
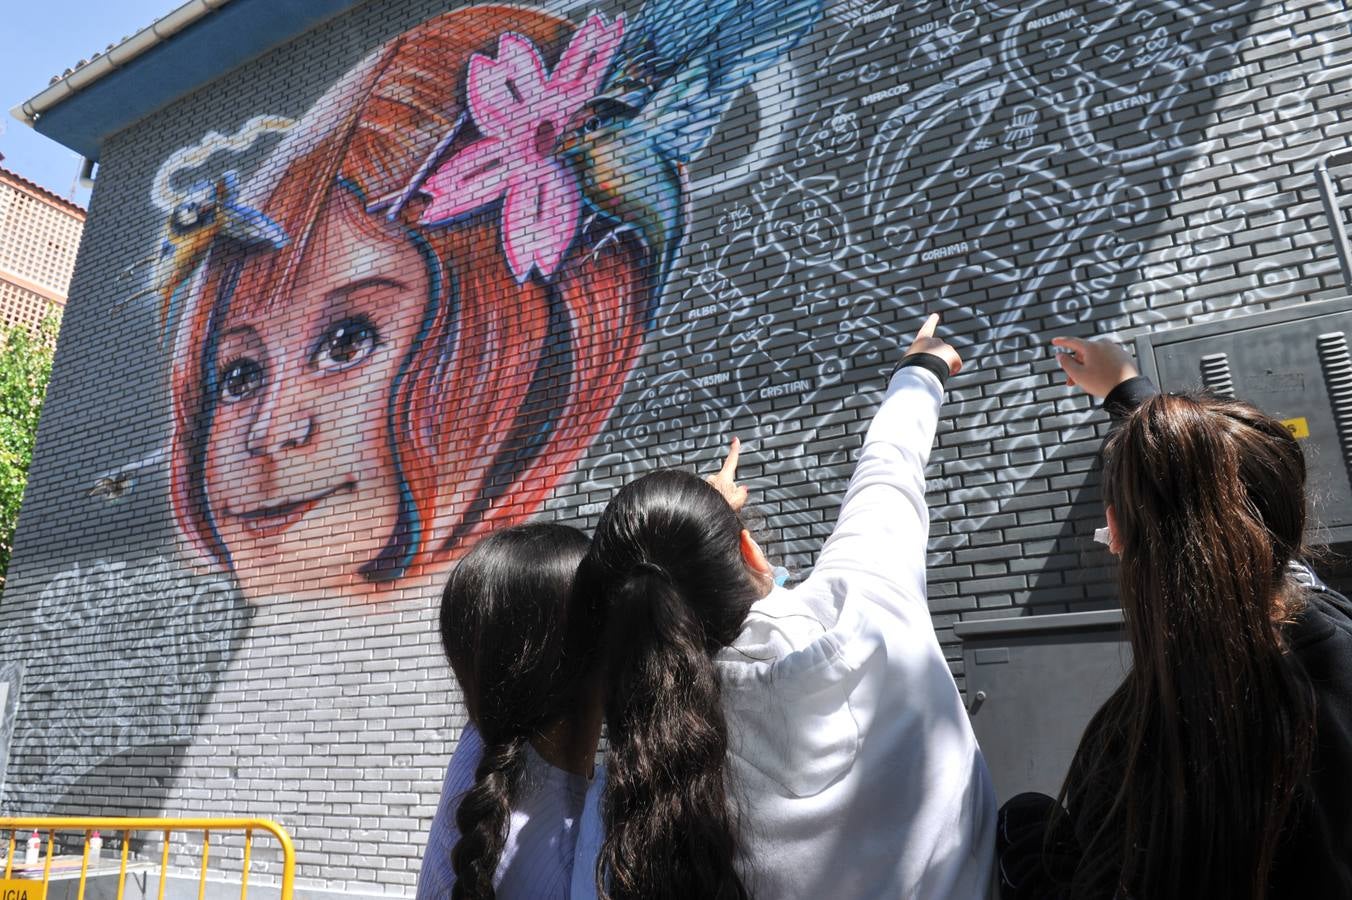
1315 860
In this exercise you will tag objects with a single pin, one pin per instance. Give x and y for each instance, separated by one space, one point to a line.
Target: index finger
927 330
730 464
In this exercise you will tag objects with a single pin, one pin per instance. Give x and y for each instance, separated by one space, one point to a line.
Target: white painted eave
115 58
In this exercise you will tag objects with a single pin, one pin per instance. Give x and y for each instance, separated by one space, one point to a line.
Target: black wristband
1128 395
929 362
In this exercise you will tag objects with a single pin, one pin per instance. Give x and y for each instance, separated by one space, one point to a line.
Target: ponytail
484 816
520 658
666 565
668 743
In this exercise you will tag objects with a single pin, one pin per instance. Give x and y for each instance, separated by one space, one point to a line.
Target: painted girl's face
299 471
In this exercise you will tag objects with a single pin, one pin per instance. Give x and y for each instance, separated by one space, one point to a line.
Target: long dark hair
666 567
1190 771
520 658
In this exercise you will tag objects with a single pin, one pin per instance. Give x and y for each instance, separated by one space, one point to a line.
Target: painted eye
240 380
591 124
186 215
345 344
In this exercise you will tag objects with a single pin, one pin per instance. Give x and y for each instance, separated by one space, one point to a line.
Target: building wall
39 238
1025 169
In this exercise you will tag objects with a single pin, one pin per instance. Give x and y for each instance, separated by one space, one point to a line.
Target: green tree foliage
25 365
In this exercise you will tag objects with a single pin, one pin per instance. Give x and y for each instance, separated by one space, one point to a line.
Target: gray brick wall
1025 169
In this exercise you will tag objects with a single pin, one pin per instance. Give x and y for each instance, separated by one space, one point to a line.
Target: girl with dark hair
777 743
1219 768
516 783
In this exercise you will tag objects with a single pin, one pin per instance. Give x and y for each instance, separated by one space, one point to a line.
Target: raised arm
883 526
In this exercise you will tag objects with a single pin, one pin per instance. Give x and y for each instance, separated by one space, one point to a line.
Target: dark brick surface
1054 168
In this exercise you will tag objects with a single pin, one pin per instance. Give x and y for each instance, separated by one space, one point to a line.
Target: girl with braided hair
515 786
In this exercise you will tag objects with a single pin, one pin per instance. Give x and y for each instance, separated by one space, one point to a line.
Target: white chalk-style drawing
996 162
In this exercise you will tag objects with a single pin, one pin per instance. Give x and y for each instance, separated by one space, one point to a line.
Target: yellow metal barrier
114 825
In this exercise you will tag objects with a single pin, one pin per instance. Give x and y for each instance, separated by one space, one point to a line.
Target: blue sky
47 37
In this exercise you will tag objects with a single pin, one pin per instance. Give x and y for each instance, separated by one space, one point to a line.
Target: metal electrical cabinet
1033 683
1294 364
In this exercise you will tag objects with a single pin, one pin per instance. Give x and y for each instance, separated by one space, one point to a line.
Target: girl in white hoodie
781 743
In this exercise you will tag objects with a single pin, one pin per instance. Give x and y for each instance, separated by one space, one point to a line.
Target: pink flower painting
521 110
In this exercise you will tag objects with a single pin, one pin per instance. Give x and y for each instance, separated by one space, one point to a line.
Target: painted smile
274 518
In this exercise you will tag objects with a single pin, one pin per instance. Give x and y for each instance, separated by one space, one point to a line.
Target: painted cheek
233 473
221 483
226 449
372 421
347 418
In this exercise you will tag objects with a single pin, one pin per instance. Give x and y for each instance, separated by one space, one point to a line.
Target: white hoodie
852 763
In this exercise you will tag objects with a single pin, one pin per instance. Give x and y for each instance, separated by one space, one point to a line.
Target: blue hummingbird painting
678 70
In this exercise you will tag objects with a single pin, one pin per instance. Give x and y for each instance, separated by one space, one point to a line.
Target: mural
392 325
515 256
118 656
409 325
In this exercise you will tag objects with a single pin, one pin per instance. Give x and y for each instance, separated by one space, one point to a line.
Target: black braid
519 657
483 818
